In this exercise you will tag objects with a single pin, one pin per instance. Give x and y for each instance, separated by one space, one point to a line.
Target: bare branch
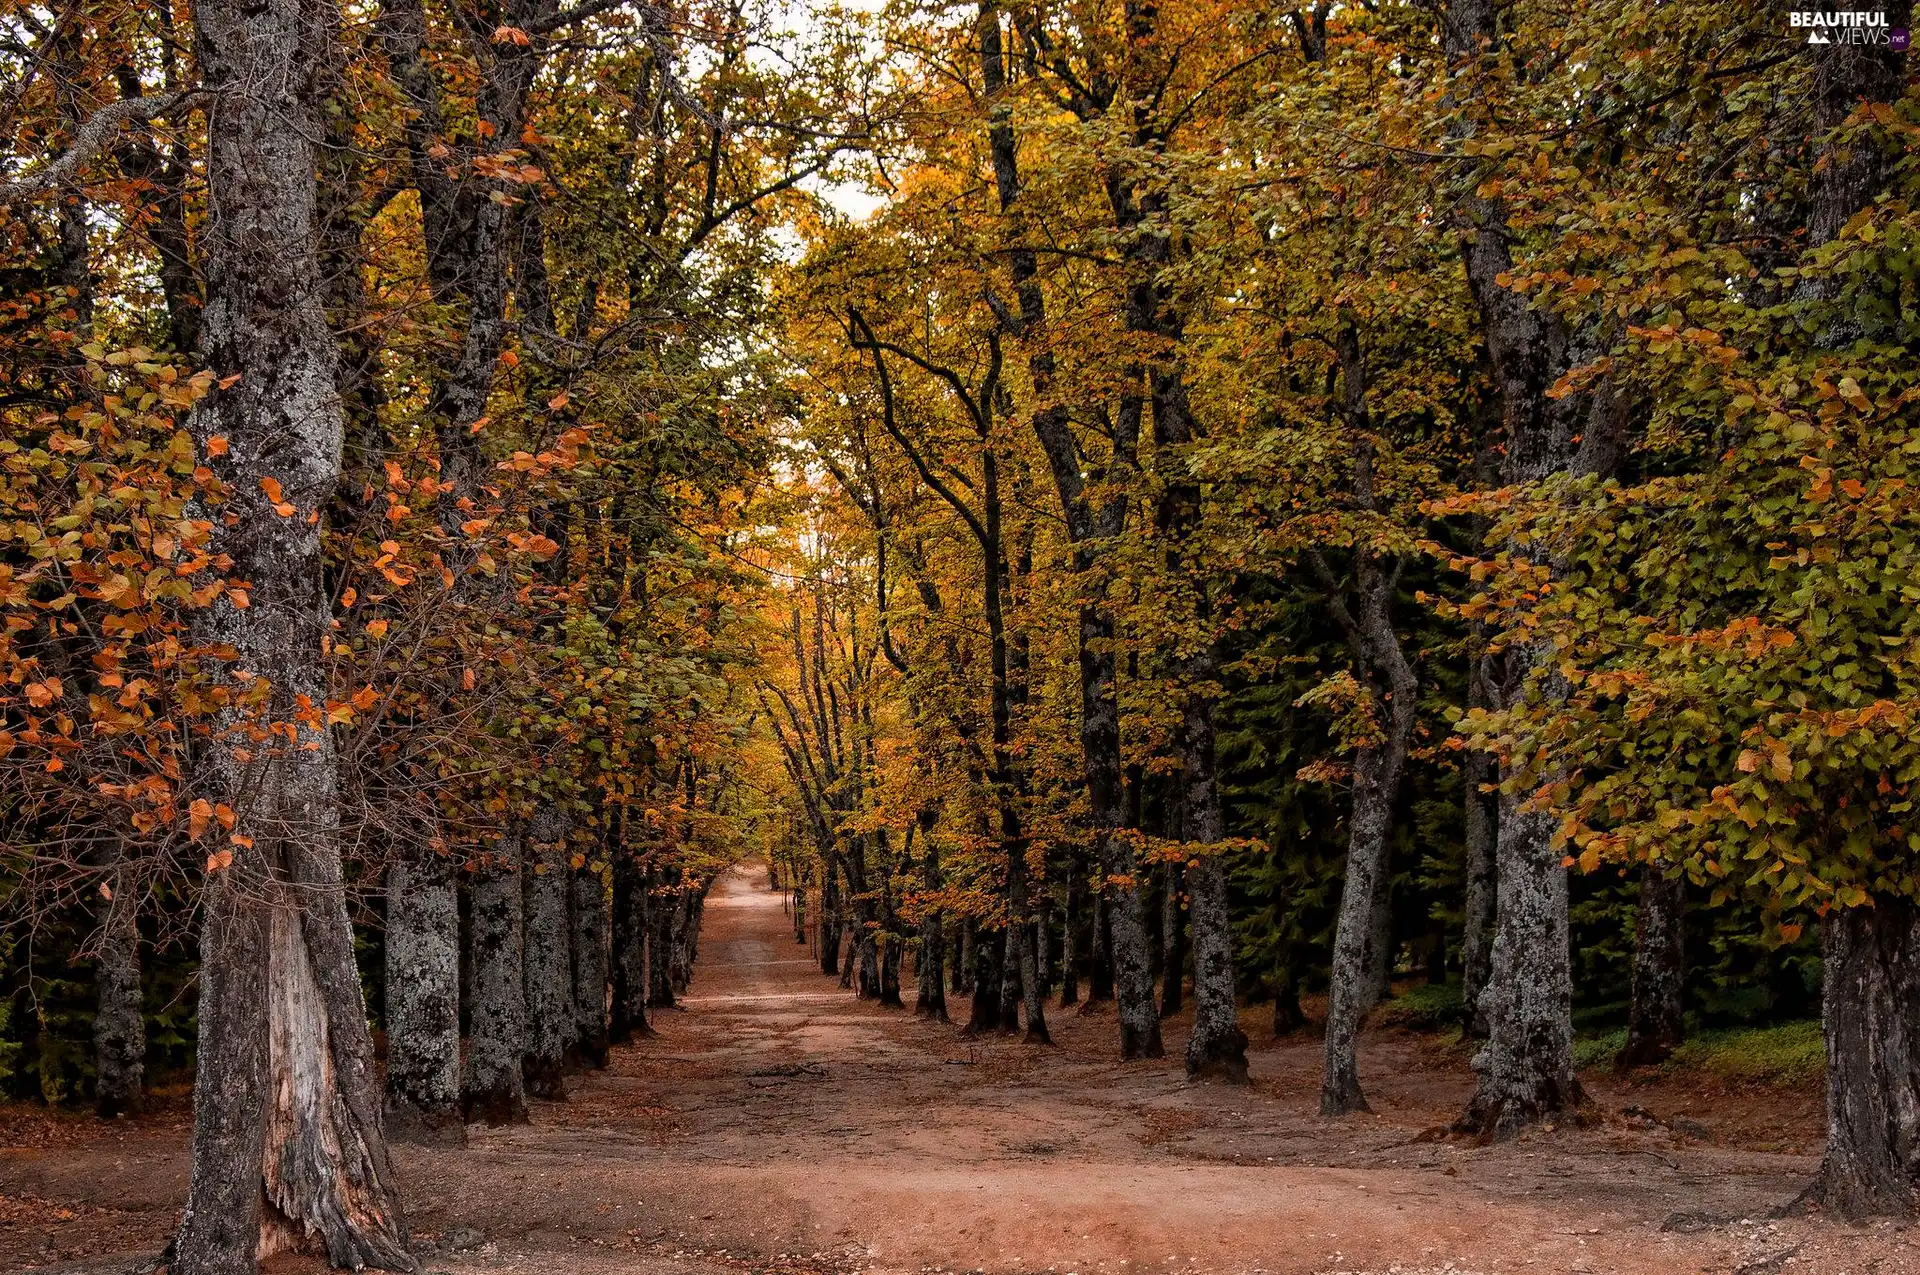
95 133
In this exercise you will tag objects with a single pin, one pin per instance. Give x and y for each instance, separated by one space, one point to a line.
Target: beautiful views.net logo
1849 27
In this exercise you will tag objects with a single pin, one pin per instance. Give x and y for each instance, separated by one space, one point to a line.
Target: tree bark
119 1021
1871 1007
1525 1068
1352 991
984 1014
423 1003
1482 831
661 907
629 1013
1217 1047
546 973
1069 938
1099 949
931 1002
963 962
829 919
1172 959
1657 1022
288 1151
494 1089
588 913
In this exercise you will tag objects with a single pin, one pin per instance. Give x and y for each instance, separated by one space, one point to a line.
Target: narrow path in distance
777 1124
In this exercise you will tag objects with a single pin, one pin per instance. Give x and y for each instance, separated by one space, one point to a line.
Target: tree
288 1148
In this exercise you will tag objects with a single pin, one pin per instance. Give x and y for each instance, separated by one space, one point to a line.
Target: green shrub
1598 1049
1789 1054
1422 1007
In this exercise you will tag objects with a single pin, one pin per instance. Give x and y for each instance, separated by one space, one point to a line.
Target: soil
777 1124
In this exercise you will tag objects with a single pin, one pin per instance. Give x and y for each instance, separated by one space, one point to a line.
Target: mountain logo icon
1814 37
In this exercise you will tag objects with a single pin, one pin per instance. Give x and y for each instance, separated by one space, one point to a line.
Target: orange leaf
365 698
242 840
1789 933
558 401
199 816
217 445
376 628
219 859
466 679
41 694
272 487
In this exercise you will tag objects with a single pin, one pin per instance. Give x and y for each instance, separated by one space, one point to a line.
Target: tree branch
92 135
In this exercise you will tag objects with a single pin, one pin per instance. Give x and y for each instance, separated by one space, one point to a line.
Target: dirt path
777 1124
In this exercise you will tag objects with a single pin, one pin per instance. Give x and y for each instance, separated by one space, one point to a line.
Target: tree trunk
963 962
1069 945
1288 1017
890 974
1043 943
1871 1008
546 972
1657 1021
1525 1068
494 1089
287 1149
660 910
829 920
1127 945
1099 950
629 1014
1217 1046
589 916
1173 960
1024 937
119 1021
423 1003
985 1013
931 1002
1476 939
1353 987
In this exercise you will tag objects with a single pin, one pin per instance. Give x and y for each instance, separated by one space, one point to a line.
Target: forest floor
777 1125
